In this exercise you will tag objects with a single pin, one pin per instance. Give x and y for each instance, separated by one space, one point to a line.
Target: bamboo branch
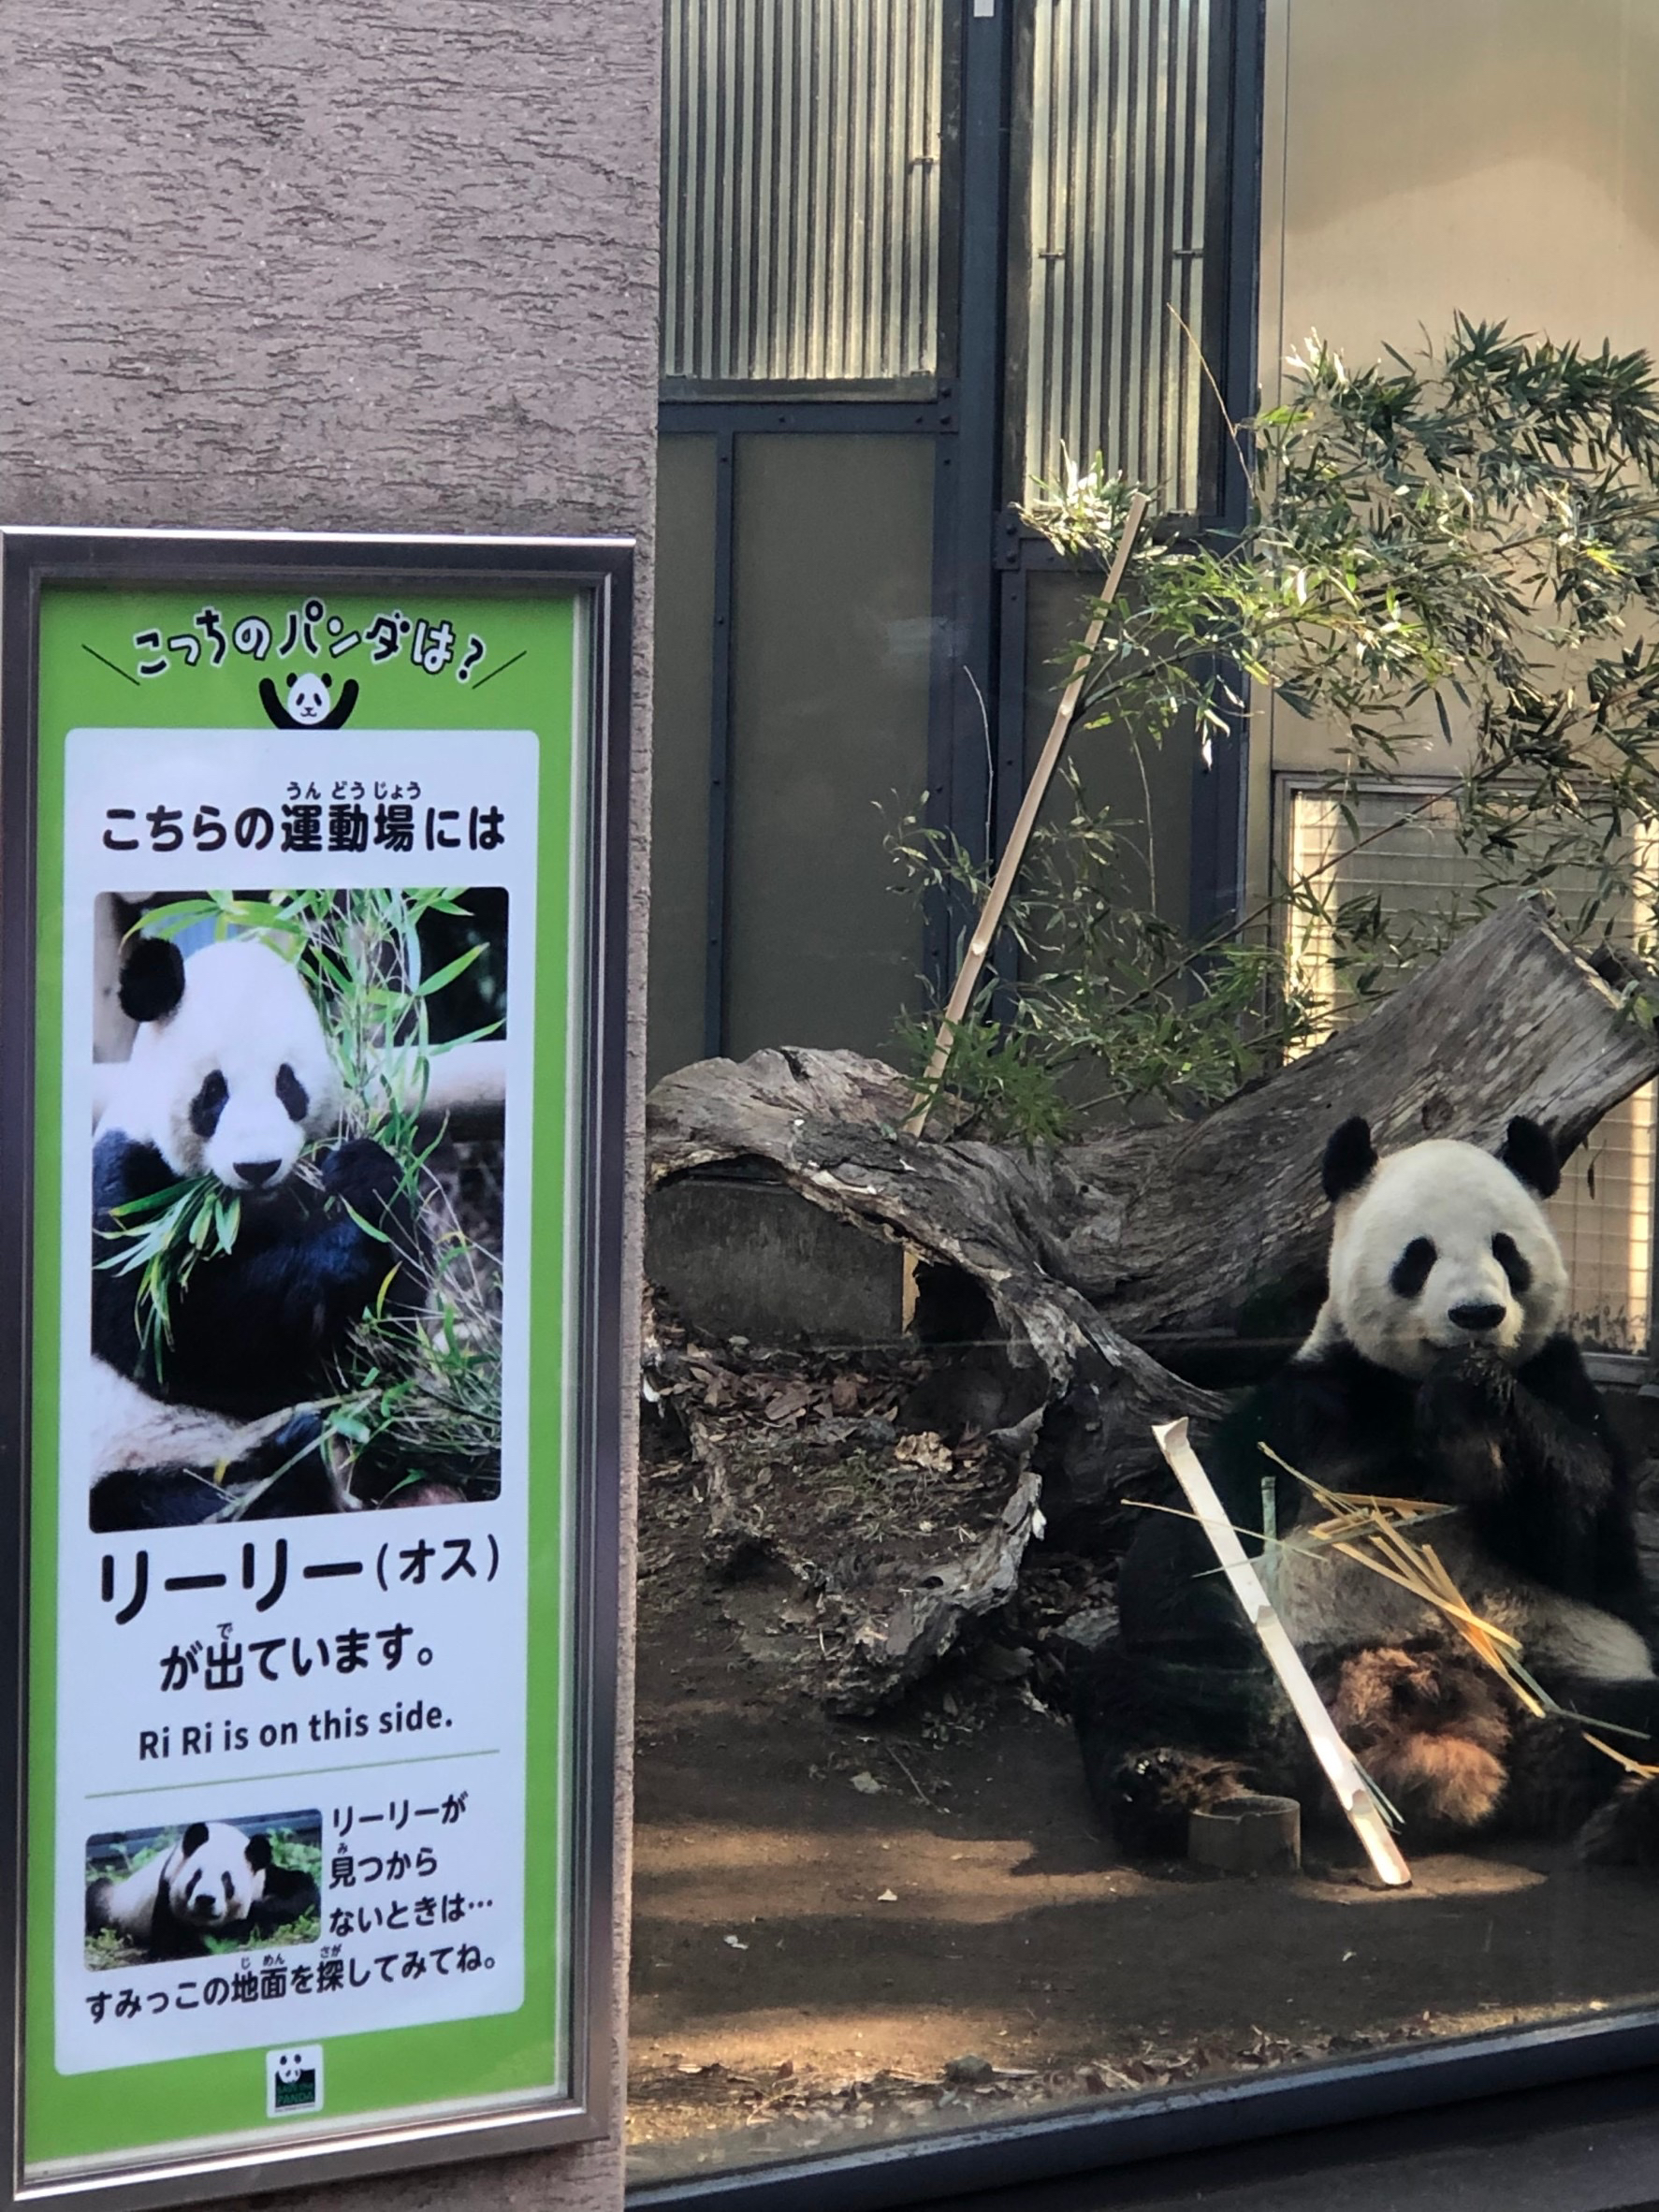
990 919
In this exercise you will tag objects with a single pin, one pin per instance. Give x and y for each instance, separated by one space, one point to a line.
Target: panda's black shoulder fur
258 1328
1529 1456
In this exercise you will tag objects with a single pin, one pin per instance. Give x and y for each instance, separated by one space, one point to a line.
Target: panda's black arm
1570 1452
1335 1418
338 716
331 1256
260 1327
270 700
265 1326
1542 1476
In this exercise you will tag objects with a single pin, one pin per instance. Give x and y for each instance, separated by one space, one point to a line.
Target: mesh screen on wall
1118 126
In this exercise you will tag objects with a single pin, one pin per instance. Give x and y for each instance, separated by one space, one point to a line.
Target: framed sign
312 861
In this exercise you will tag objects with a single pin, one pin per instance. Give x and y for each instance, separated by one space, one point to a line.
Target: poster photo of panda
296 1181
203 1886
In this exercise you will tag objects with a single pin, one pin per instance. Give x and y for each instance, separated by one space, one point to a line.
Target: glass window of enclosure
1147 1516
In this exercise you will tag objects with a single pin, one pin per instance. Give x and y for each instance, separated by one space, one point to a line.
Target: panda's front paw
363 1175
1472 1381
1150 1796
1462 1410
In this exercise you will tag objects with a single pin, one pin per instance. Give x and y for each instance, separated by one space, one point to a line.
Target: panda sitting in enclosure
1438 1369
232 1076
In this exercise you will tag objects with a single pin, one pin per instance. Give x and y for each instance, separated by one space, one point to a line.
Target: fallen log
829 1125
1183 1228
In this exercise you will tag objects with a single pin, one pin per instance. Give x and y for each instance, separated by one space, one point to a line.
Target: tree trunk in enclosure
1088 1252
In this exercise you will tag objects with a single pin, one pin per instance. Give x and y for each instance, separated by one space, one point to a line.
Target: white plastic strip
1329 1748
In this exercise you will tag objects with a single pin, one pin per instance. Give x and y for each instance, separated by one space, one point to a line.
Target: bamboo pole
990 918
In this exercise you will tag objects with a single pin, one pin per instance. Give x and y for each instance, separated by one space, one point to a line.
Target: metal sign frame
598 573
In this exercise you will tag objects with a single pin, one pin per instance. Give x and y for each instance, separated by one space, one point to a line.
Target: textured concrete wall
381 265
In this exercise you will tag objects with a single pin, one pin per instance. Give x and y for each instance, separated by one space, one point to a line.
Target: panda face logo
308 697
309 701
294 2081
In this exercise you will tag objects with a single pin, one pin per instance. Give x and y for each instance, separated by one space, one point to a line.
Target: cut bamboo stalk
990 920
1352 1791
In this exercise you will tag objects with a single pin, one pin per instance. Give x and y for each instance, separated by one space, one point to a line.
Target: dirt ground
848 1929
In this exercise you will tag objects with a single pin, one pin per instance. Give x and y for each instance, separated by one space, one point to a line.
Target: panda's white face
215 1875
308 697
1441 1245
238 1078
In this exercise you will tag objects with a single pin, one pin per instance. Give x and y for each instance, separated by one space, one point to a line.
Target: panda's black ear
293 678
1350 1157
1529 1151
259 1852
328 681
194 1836
151 979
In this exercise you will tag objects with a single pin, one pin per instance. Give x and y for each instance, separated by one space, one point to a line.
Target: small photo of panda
203 1886
297 1180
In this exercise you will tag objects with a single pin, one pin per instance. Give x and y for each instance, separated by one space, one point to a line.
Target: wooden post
990 914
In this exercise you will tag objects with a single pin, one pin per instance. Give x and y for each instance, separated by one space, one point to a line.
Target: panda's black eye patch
209 1104
1411 1270
292 1092
1507 1254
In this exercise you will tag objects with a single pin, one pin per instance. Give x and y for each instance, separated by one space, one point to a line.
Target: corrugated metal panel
1603 1212
801 190
1119 97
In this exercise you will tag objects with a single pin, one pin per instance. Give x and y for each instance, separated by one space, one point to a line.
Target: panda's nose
255 1172
1475 1319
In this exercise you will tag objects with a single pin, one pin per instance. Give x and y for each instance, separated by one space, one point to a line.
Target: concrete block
737 1258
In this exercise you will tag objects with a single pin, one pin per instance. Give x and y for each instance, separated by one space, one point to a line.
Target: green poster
312 880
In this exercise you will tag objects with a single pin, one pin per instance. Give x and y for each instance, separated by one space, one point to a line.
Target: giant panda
232 1076
215 1880
1438 1369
